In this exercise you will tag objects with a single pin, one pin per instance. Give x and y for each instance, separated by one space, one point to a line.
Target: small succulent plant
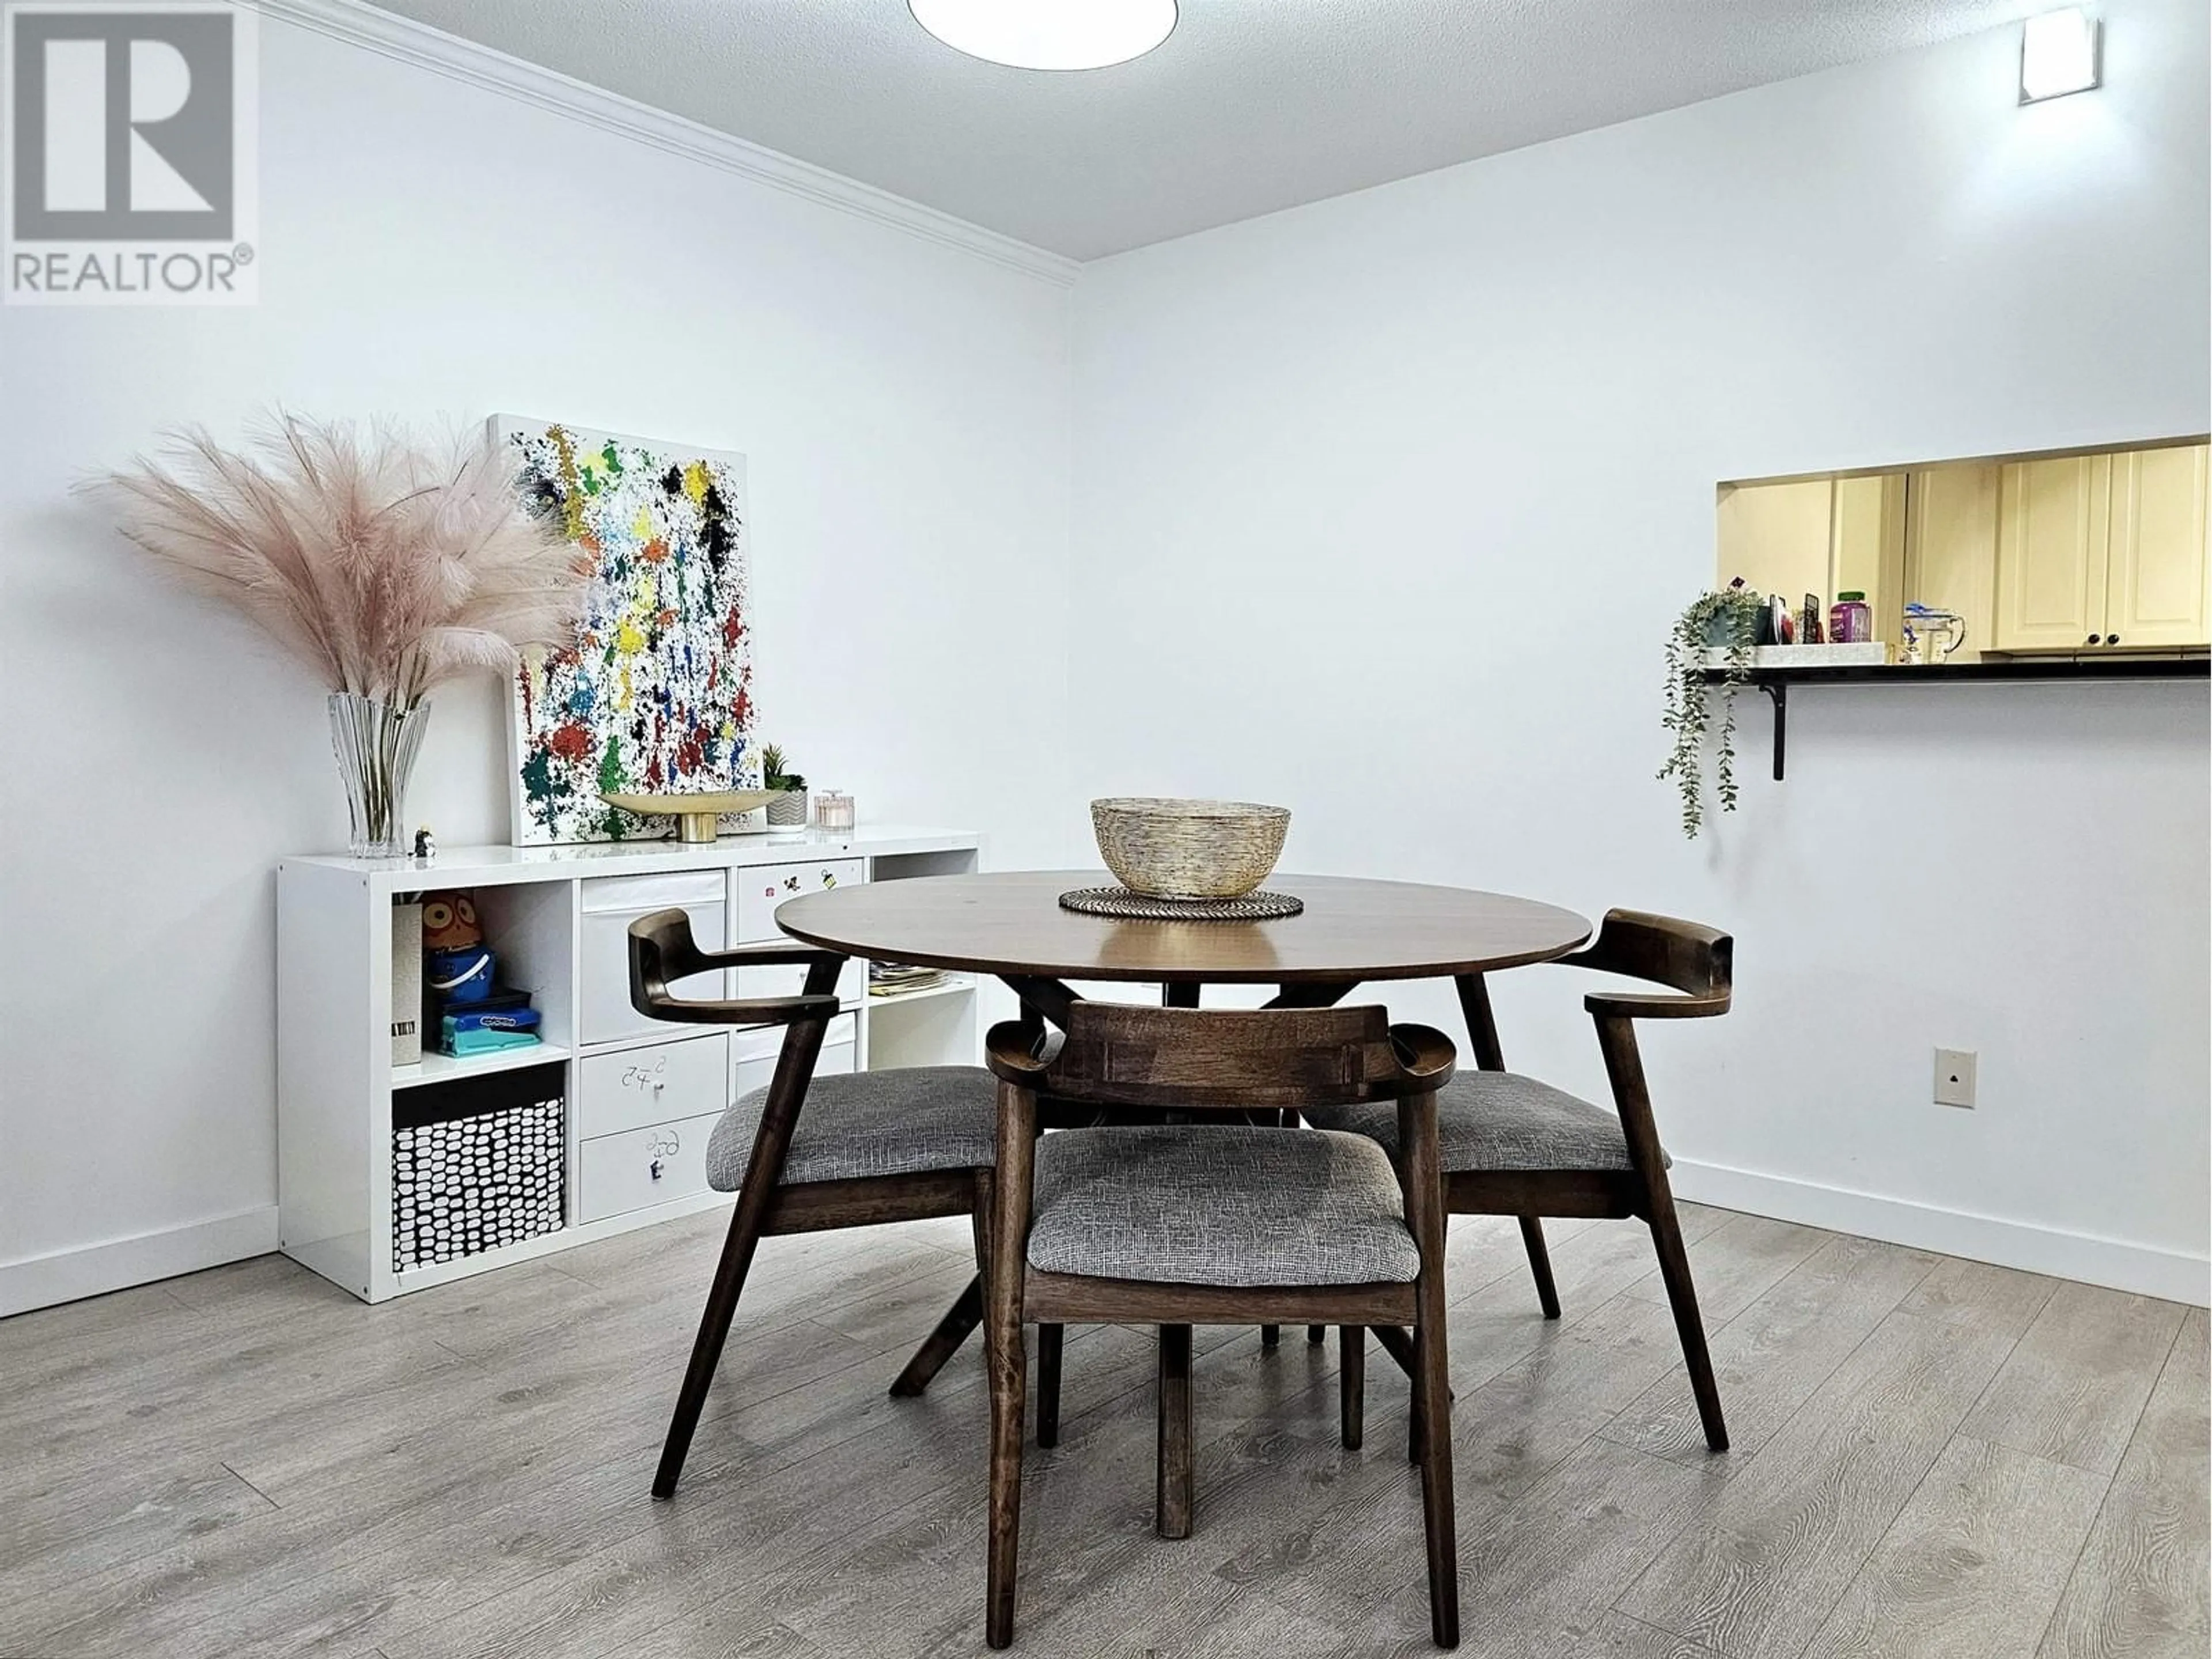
772 775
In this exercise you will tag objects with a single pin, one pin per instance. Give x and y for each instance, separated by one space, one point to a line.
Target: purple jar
1850 618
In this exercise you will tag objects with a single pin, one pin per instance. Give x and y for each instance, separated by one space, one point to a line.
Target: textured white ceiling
1249 107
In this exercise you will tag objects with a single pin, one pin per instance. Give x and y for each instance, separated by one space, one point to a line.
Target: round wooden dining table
1352 931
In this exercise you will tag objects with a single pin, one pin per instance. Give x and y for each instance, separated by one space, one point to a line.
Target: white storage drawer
754 1056
851 984
641 1167
635 1088
611 903
761 888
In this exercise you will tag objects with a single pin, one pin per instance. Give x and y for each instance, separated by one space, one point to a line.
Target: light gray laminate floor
1932 1457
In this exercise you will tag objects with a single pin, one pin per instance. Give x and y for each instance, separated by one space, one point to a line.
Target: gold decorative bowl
698 816
1189 849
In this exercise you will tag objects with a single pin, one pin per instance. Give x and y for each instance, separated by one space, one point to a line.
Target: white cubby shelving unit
639 1096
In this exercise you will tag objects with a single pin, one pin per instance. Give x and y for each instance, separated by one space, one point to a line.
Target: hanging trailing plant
1728 618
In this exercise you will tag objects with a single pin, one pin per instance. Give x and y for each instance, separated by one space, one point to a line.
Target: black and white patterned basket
470 1184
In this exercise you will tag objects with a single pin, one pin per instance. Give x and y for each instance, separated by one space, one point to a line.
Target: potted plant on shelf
789 810
389 566
1726 619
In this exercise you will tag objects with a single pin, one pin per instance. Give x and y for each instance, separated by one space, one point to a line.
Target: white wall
432 249
1384 505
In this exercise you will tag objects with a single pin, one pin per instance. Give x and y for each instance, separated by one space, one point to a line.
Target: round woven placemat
1120 903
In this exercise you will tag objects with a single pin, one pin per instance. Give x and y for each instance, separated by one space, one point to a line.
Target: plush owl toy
456 968
449 922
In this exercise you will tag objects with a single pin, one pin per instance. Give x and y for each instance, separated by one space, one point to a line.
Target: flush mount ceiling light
2058 55
1049 34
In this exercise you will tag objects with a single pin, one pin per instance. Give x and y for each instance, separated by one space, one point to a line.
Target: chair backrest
1230 1060
1687 956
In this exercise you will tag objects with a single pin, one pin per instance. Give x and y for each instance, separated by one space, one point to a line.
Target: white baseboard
2138 1268
93 1269
39 1281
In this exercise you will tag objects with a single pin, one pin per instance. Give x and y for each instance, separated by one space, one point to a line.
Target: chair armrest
1646 945
739 1011
662 951
1643 1005
1426 1055
1015 1054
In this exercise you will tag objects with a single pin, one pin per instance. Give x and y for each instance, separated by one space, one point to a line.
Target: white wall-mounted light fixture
1049 34
2058 54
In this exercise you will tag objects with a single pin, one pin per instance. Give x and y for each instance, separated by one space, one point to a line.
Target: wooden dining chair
1226 1223
873 1147
1512 1146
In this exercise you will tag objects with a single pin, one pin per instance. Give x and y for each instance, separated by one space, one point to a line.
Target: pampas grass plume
385 563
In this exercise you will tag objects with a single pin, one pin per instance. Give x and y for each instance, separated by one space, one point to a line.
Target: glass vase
375 741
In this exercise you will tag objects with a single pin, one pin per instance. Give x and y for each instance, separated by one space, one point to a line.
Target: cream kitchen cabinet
2103 551
1777 536
1820 537
1951 549
2156 570
2054 522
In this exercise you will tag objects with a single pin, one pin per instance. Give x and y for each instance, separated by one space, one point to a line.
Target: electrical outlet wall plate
1954 1078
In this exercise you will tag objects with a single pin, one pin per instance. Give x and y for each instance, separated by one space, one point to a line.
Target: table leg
960 1319
1041 998
1313 994
1050 1340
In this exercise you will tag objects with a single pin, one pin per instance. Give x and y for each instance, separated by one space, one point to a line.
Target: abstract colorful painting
656 693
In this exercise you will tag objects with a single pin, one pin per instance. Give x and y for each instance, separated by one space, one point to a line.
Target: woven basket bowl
1189 849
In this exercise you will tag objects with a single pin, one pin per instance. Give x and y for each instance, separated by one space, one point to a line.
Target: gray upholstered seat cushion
869 1123
1207 1205
1499 1120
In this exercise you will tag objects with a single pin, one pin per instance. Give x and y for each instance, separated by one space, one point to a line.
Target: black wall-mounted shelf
2023 671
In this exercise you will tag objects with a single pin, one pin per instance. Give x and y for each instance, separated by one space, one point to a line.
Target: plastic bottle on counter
1850 618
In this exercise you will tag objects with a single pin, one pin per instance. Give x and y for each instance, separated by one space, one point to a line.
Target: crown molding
407 42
